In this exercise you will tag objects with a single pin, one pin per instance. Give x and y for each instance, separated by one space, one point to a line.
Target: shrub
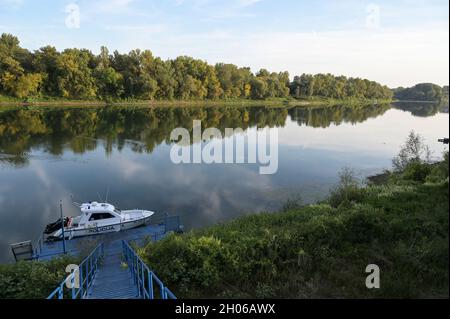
416 171
33 279
347 189
414 150
292 204
439 172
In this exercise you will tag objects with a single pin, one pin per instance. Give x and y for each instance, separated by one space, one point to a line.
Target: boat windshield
117 211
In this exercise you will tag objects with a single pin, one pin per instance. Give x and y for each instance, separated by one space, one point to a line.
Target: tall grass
322 250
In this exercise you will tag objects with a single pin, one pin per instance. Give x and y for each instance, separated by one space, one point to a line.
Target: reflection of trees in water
325 116
422 109
142 129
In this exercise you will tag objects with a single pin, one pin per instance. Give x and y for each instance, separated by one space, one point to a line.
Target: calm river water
48 154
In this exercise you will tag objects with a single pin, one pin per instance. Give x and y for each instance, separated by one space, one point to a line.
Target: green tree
14 63
420 92
75 77
79 74
28 85
258 88
413 151
46 62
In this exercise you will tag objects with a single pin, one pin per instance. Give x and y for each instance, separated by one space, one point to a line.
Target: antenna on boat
99 197
74 202
107 192
62 226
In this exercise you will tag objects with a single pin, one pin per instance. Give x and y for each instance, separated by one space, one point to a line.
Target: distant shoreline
415 101
281 102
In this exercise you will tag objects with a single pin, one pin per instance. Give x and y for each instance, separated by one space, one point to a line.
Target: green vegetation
337 87
33 279
422 92
78 74
322 250
413 152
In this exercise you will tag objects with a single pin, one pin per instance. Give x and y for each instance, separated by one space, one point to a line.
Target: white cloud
212 10
113 5
109 6
393 57
246 3
132 169
142 28
13 4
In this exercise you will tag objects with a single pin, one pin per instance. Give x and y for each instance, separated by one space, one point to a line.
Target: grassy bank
33 279
322 250
273 102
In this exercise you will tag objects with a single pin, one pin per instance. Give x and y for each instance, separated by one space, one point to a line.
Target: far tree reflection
422 109
142 129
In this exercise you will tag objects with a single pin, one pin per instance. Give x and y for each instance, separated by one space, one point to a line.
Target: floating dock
112 269
80 245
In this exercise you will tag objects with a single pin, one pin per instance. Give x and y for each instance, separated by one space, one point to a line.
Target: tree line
422 92
80 74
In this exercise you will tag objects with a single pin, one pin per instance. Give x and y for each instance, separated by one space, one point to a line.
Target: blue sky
394 42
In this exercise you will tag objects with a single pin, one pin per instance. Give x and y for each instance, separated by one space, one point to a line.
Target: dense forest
422 92
80 74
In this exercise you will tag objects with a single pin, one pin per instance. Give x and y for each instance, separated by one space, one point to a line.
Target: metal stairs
113 281
112 270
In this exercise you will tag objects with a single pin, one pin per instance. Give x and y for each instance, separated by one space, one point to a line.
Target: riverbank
274 102
322 250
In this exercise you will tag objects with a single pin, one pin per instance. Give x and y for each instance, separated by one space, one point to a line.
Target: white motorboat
97 218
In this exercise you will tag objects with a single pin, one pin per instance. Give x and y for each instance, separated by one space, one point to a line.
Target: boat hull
90 231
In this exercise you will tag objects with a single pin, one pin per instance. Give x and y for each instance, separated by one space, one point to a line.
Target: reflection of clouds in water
50 192
41 174
3 190
227 195
380 135
212 205
23 216
188 189
131 169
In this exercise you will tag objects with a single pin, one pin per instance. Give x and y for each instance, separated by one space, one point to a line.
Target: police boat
97 218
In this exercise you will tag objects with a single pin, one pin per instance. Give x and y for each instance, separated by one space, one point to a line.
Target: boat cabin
96 214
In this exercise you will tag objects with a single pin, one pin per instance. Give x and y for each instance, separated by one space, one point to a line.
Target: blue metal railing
86 272
143 277
39 252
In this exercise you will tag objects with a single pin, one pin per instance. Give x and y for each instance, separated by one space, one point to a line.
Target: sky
397 42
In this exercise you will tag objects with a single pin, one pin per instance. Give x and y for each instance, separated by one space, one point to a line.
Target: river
48 154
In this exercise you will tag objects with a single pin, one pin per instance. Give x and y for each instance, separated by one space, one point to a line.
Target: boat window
99 216
117 211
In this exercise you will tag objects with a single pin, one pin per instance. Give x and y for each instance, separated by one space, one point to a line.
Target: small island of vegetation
423 92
